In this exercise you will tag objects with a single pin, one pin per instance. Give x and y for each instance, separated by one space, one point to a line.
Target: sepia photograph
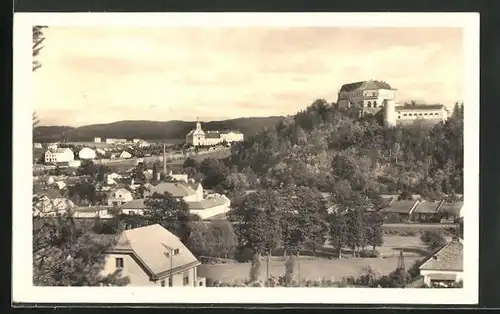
232 150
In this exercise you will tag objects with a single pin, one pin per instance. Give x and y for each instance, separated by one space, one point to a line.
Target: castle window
425 114
404 114
369 104
375 104
399 117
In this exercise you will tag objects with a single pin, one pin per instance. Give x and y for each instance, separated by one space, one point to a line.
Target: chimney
164 160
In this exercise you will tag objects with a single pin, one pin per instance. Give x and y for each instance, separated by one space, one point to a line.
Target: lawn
311 269
314 268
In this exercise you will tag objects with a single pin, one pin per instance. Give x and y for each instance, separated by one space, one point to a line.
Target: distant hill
149 130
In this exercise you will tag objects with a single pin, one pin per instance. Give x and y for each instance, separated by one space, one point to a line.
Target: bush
209 282
433 239
244 255
369 254
393 218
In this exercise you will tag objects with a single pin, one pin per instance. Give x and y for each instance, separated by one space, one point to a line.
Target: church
198 137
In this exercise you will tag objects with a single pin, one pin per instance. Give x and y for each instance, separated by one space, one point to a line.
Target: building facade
59 155
119 197
198 137
153 256
374 97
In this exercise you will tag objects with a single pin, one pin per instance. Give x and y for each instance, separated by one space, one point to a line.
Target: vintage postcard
273 158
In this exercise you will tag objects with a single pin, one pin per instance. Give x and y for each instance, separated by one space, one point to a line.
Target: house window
369 104
119 262
375 104
170 281
186 278
404 114
201 284
162 283
176 251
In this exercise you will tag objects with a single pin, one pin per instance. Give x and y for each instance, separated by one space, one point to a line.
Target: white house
59 155
87 153
47 206
189 192
119 196
92 212
114 176
37 145
125 155
445 266
97 139
153 256
75 163
52 146
210 207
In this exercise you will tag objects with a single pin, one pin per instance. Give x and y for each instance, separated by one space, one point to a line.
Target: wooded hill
149 130
325 148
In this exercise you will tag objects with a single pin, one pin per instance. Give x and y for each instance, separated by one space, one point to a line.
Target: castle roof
364 85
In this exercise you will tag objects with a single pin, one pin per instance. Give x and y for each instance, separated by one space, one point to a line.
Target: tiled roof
134 204
153 245
451 208
419 107
449 257
177 189
208 203
400 207
427 207
364 85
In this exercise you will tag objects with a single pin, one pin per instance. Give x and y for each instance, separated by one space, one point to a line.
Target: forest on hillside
148 130
323 147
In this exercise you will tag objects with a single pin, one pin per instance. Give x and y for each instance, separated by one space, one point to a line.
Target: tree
258 222
38 39
66 254
170 212
305 223
155 173
433 239
215 173
338 231
223 236
374 229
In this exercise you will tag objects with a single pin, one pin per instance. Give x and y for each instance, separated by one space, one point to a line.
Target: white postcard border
24 291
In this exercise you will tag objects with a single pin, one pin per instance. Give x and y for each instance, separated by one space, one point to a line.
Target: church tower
198 125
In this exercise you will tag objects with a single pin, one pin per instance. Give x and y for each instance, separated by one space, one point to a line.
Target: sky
101 75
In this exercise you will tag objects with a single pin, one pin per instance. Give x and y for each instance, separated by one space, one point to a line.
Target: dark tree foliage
66 253
321 145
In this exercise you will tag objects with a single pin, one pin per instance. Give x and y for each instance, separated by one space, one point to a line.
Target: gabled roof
208 203
153 246
400 207
363 85
427 207
449 257
177 189
451 208
134 204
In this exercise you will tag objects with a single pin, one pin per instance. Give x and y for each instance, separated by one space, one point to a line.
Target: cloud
92 75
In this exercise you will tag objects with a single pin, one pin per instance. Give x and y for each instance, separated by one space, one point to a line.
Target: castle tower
389 113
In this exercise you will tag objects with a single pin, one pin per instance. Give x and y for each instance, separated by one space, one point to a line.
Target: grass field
325 268
312 269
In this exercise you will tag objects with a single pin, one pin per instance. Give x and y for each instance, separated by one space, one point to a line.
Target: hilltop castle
198 137
378 97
